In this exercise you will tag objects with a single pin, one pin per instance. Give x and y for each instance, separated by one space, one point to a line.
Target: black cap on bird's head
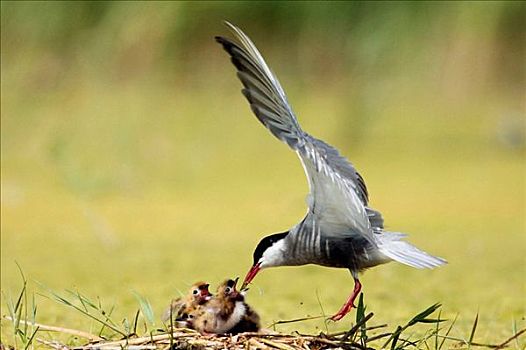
266 243
259 255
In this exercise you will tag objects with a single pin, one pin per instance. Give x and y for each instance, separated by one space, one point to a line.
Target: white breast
226 325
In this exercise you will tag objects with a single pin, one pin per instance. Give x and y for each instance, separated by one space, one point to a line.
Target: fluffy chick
226 312
249 322
180 308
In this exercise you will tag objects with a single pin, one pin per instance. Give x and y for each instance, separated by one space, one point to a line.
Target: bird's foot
336 317
350 302
341 313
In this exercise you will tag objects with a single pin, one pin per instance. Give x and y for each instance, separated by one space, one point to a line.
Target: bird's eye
190 316
228 290
195 291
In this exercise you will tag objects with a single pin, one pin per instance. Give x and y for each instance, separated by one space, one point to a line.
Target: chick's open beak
205 293
235 293
250 275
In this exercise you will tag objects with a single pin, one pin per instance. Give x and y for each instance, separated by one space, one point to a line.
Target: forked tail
392 245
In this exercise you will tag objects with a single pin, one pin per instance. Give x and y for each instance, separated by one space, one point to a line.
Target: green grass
190 199
432 331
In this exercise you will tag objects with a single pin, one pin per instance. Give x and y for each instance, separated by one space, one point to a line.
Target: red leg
350 302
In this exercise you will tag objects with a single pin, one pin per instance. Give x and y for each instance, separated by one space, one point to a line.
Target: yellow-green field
114 182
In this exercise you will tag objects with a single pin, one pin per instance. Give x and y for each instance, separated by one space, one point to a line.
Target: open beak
205 293
250 275
235 292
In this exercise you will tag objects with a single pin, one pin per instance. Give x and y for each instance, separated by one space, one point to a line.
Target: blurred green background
131 161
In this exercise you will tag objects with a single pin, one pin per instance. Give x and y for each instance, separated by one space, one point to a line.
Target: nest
187 339
359 337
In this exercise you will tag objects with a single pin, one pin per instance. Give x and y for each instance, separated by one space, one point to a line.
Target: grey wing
335 199
262 89
338 193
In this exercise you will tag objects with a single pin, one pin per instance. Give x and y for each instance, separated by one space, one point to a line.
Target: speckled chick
224 312
180 308
249 322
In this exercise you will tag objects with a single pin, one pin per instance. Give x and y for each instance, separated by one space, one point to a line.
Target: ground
456 193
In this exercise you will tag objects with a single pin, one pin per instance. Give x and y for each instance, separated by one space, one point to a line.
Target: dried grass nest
187 339
361 336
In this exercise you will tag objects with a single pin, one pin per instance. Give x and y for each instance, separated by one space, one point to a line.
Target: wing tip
227 43
230 46
229 25
220 39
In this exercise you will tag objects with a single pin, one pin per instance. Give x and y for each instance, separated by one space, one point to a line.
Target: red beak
250 275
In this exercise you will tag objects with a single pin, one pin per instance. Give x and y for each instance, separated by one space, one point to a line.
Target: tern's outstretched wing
338 195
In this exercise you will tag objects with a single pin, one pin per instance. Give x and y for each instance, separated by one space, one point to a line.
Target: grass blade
85 302
395 337
146 308
18 313
448 331
360 313
55 296
135 321
473 329
30 340
422 317
437 330
21 303
126 325
322 311
419 318
33 309
514 330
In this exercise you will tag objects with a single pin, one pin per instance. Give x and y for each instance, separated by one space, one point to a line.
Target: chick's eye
195 291
228 290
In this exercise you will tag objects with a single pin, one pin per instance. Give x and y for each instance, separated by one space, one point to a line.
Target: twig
482 345
295 320
257 344
379 336
266 335
357 326
281 346
141 340
376 327
131 347
44 327
325 341
515 336
52 344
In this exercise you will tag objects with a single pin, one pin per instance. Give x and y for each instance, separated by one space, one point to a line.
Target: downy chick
226 312
249 322
180 308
